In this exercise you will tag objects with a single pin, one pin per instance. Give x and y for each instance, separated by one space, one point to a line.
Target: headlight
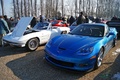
85 51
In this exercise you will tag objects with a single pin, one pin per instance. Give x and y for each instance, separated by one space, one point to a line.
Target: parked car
59 23
83 48
32 38
115 24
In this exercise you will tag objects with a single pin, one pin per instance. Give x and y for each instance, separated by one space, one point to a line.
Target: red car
59 23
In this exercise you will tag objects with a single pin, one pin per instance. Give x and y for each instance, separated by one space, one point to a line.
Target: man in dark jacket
81 19
71 20
33 22
86 19
41 18
3 29
8 21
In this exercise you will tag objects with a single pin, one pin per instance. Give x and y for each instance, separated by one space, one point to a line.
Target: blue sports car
83 48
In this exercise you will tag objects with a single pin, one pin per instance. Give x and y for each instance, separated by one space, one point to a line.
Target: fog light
83 65
93 57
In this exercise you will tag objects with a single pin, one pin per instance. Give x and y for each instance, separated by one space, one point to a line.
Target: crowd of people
4 29
6 24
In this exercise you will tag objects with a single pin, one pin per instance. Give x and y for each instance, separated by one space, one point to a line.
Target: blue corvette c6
83 48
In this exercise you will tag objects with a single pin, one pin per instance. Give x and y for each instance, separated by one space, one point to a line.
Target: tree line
55 8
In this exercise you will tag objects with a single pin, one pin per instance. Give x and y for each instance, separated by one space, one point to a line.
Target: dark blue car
83 48
115 24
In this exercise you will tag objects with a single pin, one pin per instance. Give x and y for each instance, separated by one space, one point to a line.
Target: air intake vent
62 48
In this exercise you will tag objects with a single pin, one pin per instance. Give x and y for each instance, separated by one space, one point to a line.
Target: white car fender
63 29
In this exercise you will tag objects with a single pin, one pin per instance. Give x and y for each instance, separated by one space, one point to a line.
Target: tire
32 44
115 42
99 59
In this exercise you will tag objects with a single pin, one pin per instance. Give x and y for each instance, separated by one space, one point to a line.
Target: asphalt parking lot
19 64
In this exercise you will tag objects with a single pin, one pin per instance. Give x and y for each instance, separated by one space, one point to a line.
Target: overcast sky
7 7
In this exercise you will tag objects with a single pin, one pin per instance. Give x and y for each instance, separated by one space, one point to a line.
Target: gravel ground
19 64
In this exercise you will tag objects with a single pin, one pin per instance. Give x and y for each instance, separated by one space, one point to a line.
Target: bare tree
21 7
56 9
76 7
51 8
41 6
35 7
17 8
29 8
14 9
31 4
25 7
47 8
83 5
80 2
62 8
2 6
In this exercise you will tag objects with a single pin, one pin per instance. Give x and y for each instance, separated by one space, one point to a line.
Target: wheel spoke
33 44
100 57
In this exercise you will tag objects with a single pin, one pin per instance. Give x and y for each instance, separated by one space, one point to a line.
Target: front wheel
99 59
32 44
115 42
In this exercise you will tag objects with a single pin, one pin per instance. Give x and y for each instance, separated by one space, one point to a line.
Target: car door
108 42
45 35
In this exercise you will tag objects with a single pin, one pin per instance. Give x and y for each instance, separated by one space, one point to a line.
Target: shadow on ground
108 73
8 50
4 51
33 66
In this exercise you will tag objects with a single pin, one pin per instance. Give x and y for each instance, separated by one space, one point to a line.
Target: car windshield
55 22
88 30
41 26
74 24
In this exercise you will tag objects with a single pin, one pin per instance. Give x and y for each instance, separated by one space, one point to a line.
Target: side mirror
111 33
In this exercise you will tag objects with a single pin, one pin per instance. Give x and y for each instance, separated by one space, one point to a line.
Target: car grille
67 64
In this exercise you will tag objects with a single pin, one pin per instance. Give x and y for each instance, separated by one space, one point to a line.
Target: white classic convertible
41 33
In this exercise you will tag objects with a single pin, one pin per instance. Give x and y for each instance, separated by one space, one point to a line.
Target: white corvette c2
41 33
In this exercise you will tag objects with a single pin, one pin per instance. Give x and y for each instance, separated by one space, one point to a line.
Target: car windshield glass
88 30
74 24
54 22
41 26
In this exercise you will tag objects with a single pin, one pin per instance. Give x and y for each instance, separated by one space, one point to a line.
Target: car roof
96 24
56 20
114 21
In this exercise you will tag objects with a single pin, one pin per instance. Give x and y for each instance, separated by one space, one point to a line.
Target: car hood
21 26
74 42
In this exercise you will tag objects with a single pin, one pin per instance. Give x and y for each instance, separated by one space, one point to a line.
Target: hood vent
62 48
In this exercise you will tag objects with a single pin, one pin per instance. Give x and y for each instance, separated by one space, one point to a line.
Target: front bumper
71 63
5 42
